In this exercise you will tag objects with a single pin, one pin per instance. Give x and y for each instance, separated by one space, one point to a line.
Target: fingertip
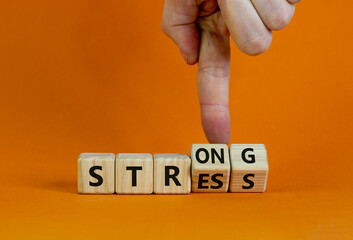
190 59
257 45
294 1
216 126
188 43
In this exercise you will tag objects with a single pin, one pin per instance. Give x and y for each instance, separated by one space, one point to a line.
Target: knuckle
214 72
280 18
223 2
226 4
257 45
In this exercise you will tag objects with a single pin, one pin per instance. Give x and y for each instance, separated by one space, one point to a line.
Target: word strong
172 173
210 167
249 168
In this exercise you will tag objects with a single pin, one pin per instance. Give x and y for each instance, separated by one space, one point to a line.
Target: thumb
179 24
213 83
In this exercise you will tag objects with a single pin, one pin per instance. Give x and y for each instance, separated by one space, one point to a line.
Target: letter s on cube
210 168
249 168
96 173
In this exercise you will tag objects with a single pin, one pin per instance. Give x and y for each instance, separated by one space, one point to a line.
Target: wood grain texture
144 176
106 163
172 164
249 168
210 163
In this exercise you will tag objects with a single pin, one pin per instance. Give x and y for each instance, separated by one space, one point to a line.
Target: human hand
201 29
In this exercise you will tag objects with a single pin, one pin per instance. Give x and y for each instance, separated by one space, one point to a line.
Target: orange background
100 76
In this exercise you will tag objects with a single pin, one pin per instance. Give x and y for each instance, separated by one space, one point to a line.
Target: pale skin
201 29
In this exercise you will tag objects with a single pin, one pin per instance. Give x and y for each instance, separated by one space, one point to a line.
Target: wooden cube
172 173
134 173
210 167
249 168
96 173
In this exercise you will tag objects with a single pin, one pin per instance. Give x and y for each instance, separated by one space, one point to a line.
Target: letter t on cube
134 173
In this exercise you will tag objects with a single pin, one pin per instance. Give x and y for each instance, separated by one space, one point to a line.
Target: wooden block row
212 168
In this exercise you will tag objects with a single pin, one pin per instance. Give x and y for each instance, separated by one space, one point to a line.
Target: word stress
209 168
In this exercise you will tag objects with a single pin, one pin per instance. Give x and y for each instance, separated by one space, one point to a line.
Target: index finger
213 84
